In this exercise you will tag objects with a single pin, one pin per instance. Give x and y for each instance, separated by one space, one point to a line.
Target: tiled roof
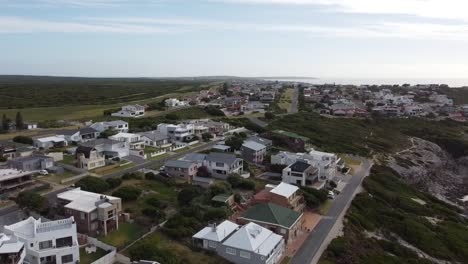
272 214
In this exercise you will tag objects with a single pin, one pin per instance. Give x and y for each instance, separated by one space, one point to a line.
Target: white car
331 195
43 172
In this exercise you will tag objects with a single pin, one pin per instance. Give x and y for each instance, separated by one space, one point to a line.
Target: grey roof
154 135
88 130
253 145
99 141
195 157
179 164
261 140
30 158
300 166
69 132
222 157
115 123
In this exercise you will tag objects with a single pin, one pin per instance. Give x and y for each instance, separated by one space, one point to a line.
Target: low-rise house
95 214
174 102
30 125
252 244
32 163
211 237
253 152
81 135
108 147
47 242
180 133
117 125
89 158
283 194
264 141
156 139
11 250
224 199
413 110
233 104
181 169
198 158
281 220
12 179
222 165
221 148
14 150
50 142
291 140
303 174
130 111
134 141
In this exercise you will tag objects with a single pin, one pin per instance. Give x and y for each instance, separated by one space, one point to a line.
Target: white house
156 139
174 102
213 235
11 250
130 111
50 142
222 165
81 135
118 125
182 132
47 242
109 148
302 173
133 140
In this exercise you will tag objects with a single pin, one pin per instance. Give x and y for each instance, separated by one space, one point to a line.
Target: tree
19 121
207 136
269 115
214 111
172 116
32 201
127 193
186 195
235 142
23 140
147 249
220 188
108 133
5 123
92 184
114 182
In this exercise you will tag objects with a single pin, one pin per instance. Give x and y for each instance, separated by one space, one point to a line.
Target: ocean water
450 82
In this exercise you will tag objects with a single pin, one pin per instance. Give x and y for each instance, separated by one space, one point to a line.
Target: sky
171 38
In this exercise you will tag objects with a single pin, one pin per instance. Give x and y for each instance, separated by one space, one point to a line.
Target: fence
74 178
109 258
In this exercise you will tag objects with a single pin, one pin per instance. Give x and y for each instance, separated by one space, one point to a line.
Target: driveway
319 238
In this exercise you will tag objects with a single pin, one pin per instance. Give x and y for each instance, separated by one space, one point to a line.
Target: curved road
318 239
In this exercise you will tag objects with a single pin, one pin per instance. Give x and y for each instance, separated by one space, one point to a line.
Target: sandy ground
311 219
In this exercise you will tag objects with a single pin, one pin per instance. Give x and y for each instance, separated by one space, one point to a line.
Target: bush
147 249
23 140
92 184
186 195
214 111
135 176
269 115
32 201
219 188
238 182
114 182
127 193
155 202
172 116
154 213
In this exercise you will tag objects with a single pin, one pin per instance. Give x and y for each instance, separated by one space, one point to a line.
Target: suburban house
224 199
11 250
283 194
81 135
213 235
89 158
47 242
130 111
181 132
174 102
181 169
291 140
222 165
264 141
253 152
303 174
198 158
32 163
212 127
252 244
117 125
13 151
156 139
94 213
134 141
281 220
108 147
233 104
12 179
50 142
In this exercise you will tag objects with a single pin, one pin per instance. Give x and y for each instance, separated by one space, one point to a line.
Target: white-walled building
11 250
177 132
130 111
134 141
117 125
174 102
47 242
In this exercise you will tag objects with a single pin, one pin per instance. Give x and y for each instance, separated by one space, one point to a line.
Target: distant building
130 111
95 214
12 179
32 163
47 242
117 125
253 152
303 174
50 142
89 158
174 102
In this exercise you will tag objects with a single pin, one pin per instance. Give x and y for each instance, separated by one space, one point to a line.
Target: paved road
314 246
295 101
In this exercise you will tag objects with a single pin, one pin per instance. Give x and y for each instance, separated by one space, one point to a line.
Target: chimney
213 227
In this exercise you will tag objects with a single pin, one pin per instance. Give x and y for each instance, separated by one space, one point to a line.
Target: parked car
331 195
43 172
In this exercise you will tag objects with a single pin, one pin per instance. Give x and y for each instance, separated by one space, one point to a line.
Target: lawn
126 234
286 99
86 258
68 160
111 169
57 178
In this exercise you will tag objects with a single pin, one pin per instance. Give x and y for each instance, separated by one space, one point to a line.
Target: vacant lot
286 99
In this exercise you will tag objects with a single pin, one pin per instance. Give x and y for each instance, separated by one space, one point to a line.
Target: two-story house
181 169
130 111
180 133
283 194
53 242
32 163
222 165
117 125
134 142
156 139
89 158
253 152
303 174
95 214
213 235
81 135
108 147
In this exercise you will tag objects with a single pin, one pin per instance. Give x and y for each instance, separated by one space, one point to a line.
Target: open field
126 234
286 99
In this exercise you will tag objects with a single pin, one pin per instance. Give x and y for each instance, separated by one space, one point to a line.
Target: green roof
291 135
272 214
222 198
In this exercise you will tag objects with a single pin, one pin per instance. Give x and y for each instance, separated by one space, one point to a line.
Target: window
45 244
67 258
64 242
231 251
219 164
212 244
82 215
245 254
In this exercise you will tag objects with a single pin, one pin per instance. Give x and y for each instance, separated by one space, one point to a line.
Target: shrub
23 140
32 201
127 193
214 111
114 182
92 184
135 175
238 182
186 195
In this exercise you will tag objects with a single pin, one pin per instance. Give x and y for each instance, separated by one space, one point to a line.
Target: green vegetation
126 234
389 209
23 140
32 201
365 136
286 99
92 184
127 193
86 258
